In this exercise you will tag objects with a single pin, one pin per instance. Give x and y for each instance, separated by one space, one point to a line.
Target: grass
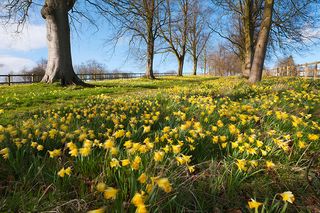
189 144
19 99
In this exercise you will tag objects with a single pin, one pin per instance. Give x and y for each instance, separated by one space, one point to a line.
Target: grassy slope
216 176
20 100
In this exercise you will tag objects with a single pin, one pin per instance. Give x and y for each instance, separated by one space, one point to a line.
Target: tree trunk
150 57
180 63
205 61
150 40
262 43
195 65
248 33
59 66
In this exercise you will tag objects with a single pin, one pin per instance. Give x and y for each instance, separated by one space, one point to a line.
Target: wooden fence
31 78
308 70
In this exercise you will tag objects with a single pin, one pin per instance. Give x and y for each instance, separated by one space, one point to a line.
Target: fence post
9 79
94 76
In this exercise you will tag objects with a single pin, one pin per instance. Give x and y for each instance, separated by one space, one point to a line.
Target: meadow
187 144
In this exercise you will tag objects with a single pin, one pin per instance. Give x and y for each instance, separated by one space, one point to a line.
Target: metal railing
32 78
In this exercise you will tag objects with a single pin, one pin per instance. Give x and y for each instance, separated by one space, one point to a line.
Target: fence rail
32 78
301 70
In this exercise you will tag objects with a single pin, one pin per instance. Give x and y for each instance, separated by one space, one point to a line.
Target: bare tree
36 73
91 67
175 29
38 70
290 20
140 20
198 33
284 25
223 62
241 30
56 14
203 60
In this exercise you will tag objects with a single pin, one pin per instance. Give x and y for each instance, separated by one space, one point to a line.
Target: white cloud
311 33
31 37
14 64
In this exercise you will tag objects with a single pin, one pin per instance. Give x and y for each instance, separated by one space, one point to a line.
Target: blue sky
24 50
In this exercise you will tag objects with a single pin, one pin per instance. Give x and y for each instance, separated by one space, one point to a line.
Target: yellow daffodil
55 153
138 201
142 178
40 147
302 144
313 137
110 193
241 163
64 172
101 187
125 162
288 196
114 163
253 204
136 163
164 184
158 156
270 165
146 129
85 151
191 169
5 153
176 149
108 144
119 133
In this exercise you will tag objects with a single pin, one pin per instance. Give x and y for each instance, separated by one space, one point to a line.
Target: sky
23 50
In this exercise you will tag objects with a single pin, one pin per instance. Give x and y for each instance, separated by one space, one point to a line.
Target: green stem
284 208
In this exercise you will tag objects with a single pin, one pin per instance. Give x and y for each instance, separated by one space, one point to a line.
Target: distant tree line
87 69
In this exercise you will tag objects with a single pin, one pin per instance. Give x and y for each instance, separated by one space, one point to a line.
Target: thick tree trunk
180 65
262 43
195 65
243 67
55 12
248 34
